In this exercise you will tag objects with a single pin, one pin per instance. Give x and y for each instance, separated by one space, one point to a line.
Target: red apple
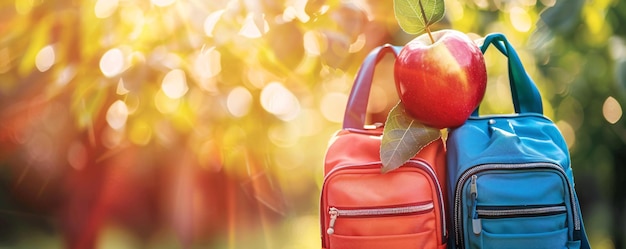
441 83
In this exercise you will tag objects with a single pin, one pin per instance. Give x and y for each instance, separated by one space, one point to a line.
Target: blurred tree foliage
173 123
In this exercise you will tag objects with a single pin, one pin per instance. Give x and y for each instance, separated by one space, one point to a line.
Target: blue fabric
512 139
517 163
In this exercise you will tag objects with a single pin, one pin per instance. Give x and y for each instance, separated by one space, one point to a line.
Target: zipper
375 212
476 224
507 212
414 163
471 173
521 211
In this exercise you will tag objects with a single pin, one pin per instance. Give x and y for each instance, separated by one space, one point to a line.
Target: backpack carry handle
356 108
525 95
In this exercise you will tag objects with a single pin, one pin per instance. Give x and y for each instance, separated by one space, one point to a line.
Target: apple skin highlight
441 83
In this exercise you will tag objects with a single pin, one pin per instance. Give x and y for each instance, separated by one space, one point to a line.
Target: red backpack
362 208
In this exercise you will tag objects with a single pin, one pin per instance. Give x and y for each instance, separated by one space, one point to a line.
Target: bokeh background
203 124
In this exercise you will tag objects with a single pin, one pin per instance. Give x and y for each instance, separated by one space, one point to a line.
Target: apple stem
426 21
430 35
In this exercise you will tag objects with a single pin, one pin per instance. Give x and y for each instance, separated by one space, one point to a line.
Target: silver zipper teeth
521 211
385 211
430 171
475 169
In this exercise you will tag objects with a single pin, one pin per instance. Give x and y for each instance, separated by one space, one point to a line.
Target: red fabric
364 186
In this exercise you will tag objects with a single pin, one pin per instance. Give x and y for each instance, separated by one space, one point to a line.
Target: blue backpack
511 184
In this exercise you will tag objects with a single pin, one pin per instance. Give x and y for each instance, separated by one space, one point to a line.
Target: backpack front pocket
381 220
520 219
416 240
519 227
405 226
515 206
363 208
547 240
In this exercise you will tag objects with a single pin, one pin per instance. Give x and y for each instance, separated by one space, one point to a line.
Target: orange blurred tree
205 122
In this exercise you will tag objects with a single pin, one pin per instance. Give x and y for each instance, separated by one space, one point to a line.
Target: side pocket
418 240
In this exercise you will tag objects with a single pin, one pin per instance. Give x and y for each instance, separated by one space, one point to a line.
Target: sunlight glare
611 110
140 132
105 8
289 14
133 16
121 89
112 62
520 19
357 45
454 10
24 6
239 101
254 26
45 58
310 122
305 229
482 4
165 104
208 63
133 102
283 135
278 100
257 77
117 115
175 84
548 3
66 75
333 105
500 101
162 3
300 6
313 43
296 10
209 85
528 2
211 21
377 100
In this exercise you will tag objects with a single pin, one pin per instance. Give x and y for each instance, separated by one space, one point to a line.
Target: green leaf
414 16
403 138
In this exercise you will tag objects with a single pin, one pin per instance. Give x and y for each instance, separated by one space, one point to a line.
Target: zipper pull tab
476 223
474 188
334 213
477 226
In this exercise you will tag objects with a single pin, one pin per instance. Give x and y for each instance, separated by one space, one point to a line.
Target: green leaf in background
415 16
403 137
